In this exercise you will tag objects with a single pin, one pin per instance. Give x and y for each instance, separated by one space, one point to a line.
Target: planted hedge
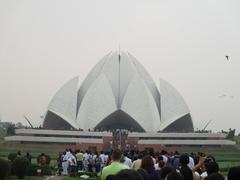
4 169
20 167
12 156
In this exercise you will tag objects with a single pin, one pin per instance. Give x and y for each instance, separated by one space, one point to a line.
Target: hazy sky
45 43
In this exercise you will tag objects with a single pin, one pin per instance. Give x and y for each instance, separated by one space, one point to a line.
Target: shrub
20 166
12 156
32 170
47 170
47 158
4 168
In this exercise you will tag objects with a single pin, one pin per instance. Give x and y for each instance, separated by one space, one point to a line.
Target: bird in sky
222 96
227 57
226 96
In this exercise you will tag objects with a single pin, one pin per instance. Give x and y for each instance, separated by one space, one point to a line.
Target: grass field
227 156
33 149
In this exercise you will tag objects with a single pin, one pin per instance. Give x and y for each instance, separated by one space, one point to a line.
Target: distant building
118 93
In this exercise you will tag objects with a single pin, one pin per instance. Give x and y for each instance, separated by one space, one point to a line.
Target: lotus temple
118 94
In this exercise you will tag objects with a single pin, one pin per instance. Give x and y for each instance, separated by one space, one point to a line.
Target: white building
118 93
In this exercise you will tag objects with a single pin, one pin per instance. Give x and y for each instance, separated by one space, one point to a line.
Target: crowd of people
27 156
145 165
69 162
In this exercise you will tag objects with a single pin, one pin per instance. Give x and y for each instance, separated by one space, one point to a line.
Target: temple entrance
119 120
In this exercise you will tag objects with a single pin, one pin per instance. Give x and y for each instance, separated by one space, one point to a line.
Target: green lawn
34 149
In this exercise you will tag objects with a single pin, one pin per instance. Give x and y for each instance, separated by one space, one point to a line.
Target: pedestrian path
52 178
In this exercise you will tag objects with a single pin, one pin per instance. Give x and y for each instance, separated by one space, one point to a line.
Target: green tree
10 129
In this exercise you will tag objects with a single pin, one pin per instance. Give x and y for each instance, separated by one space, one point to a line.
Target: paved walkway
53 178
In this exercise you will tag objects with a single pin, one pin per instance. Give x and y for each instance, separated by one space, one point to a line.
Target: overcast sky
45 43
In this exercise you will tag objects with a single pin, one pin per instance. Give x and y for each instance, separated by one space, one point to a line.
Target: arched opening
53 121
119 120
183 124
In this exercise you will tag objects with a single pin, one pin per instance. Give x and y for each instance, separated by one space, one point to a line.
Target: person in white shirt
165 159
102 157
72 163
127 161
91 162
106 159
137 163
191 163
85 161
65 164
160 163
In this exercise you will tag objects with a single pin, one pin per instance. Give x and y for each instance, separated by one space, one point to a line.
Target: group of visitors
69 162
27 156
165 166
145 165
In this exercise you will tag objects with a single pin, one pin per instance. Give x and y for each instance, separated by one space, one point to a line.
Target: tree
10 129
19 125
231 133
20 166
